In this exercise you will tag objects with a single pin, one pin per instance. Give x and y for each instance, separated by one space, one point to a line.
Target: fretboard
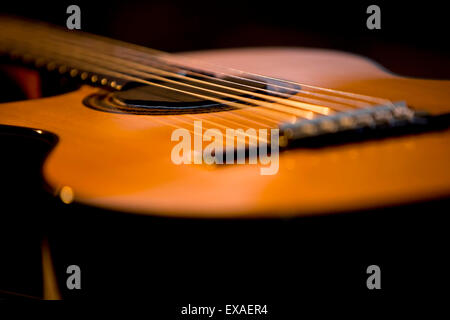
91 58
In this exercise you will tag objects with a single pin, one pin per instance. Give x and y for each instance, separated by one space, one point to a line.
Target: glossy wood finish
122 162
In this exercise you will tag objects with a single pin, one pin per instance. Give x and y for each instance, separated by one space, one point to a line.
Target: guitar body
123 161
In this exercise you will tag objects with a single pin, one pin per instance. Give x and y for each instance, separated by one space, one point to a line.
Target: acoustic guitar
341 133
351 134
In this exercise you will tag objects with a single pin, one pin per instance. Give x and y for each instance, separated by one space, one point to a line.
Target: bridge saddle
352 125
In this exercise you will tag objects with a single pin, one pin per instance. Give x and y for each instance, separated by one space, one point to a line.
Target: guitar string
162 120
231 96
220 86
215 91
103 71
273 106
125 45
117 64
354 96
320 109
131 78
303 91
296 104
166 79
340 107
157 54
185 70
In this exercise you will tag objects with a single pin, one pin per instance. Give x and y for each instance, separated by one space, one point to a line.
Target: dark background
413 39
295 261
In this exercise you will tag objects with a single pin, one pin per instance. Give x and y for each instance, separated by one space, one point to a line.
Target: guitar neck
78 54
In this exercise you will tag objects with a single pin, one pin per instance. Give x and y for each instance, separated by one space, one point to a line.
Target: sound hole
135 98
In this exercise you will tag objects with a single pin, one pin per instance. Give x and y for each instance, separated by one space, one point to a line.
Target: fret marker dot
51 66
62 69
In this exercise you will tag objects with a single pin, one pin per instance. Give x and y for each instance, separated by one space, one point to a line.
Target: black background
287 263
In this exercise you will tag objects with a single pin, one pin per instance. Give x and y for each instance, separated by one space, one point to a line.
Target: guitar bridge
361 124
